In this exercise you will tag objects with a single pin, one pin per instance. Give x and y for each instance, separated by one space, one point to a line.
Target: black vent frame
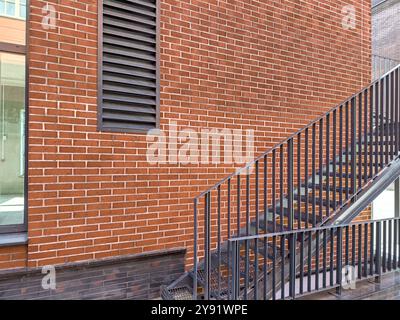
128 60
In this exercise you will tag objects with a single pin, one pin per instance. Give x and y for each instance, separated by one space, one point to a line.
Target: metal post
195 252
397 198
353 147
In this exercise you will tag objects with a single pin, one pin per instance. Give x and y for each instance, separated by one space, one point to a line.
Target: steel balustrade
300 183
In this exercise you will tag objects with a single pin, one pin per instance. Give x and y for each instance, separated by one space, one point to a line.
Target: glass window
12 128
22 9
12 116
10 8
13 8
2 7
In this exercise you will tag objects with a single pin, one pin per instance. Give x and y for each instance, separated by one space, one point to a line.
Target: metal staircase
270 228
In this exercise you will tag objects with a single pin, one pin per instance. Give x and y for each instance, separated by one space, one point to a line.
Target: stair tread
325 187
218 290
347 175
317 200
177 293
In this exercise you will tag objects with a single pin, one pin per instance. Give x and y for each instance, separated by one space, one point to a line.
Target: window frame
17 14
21 50
100 126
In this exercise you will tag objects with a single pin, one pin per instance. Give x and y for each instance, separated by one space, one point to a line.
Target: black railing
316 259
301 183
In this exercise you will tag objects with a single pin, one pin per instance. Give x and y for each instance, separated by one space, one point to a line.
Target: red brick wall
13 257
262 65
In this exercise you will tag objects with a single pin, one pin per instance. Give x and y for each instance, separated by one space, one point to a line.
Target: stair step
325 187
318 201
348 175
178 293
270 227
303 216
261 248
223 260
218 291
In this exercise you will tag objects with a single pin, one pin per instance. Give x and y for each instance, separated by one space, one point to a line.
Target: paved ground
388 289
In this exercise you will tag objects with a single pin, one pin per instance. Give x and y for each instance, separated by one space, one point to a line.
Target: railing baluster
387 120
347 149
219 238
238 204
334 187
327 165
309 261
365 273
378 258
207 247
274 268
292 275
398 242
301 289
265 226
346 241
257 232
371 131
331 257
389 262
359 251
195 251
392 117
341 155
247 243
366 144
281 190
397 112
377 130
229 234
283 293
324 258
273 190
299 181
353 246
235 270
353 147
306 177
317 260
371 249
339 259
320 170
395 243
314 220
360 135
384 254
382 130
290 185
291 238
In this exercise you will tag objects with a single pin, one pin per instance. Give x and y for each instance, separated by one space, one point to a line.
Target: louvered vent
129 93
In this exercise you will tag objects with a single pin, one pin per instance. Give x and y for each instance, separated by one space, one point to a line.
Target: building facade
83 82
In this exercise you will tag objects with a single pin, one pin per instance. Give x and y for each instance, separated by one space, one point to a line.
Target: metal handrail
305 180
308 126
364 250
